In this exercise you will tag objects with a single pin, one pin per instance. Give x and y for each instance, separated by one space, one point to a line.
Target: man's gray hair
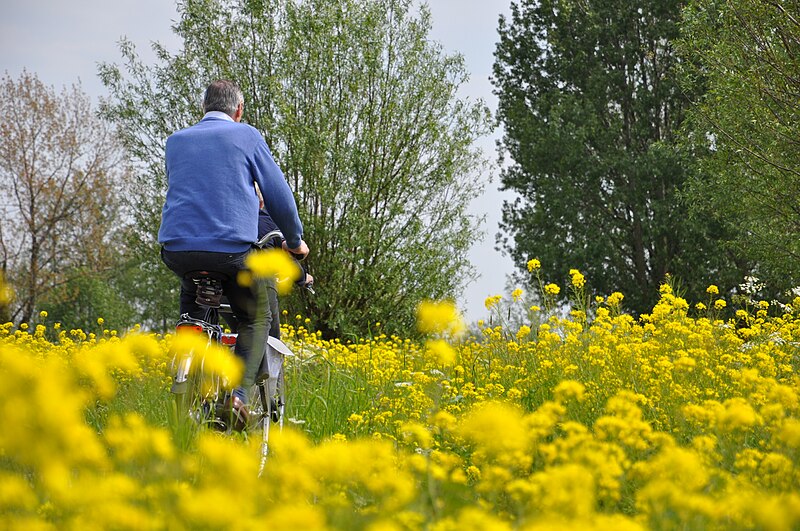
222 95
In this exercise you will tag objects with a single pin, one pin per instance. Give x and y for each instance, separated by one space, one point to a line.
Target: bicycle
199 397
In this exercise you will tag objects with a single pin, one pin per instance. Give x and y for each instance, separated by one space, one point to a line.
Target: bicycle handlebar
278 234
267 237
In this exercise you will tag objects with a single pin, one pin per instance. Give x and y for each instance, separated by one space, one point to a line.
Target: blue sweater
211 202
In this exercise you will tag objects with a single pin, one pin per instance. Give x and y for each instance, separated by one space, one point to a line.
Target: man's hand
300 252
308 283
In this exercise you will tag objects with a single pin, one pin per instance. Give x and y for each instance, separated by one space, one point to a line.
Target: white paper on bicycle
280 346
276 350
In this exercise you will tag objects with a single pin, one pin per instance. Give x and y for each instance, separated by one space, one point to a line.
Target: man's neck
218 114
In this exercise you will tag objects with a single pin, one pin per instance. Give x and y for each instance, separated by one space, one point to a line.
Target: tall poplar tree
361 111
590 103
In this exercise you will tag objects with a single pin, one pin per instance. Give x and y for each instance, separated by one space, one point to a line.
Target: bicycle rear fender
279 345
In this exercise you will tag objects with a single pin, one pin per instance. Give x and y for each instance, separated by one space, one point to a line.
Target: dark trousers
248 303
275 323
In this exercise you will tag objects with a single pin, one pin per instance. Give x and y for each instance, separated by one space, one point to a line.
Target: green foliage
85 297
146 283
591 104
60 212
361 112
745 127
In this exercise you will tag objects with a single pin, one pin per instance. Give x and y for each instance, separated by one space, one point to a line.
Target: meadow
570 414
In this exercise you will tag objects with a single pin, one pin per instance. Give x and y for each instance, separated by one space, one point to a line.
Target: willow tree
362 113
591 104
746 127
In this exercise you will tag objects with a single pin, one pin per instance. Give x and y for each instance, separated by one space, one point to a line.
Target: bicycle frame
184 364
203 405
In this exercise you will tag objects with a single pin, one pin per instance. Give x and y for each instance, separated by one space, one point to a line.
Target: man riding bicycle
210 218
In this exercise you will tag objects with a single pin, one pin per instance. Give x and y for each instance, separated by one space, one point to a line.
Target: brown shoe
237 413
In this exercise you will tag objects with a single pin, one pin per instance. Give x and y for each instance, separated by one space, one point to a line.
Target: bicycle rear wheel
271 399
195 398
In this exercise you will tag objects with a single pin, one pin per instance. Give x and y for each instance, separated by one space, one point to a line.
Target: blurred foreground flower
216 360
441 318
273 263
442 351
6 293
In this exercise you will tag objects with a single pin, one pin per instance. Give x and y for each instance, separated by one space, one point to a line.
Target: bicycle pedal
276 414
218 424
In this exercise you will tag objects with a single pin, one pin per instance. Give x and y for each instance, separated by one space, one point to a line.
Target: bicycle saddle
209 289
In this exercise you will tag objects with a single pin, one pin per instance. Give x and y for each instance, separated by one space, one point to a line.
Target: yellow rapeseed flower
709 439
680 304
472 518
516 294
534 265
416 433
294 515
552 289
712 290
492 301
245 278
97 363
578 279
569 390
789 433
566 490
133 441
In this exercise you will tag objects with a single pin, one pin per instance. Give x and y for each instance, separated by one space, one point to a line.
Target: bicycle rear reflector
189 328
228 339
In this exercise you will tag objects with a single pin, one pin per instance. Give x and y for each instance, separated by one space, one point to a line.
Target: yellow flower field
581 419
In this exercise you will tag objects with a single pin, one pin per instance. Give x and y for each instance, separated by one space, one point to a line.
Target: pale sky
63 41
